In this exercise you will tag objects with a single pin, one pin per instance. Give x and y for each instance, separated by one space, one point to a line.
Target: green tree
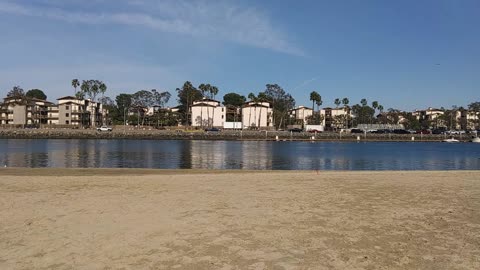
316 99
314 96
160 98
204 89
91 88
475 108
75 84
124 103
380 108
411 122
16 91
141 101
214 92
363 102
36 93
187 94
345 102
281 102
252 98
363 113
337 102
233 99
109 105
159 101
319 103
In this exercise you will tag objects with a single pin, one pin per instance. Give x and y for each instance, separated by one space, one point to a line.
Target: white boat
476 140
451 140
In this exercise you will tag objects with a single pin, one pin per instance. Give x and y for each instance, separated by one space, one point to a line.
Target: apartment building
336 118
80 112
466 120
69 111
207 113
301 114
257 115
20 110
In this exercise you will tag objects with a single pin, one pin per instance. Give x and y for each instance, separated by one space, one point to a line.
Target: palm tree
252 97
345 102
75 84
313 97
319 103
102 88
375 105
214 92
261 98
380 108
337 102
203 88
363 102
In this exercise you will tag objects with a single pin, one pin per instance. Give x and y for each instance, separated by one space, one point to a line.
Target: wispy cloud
304 83
218 20
120 77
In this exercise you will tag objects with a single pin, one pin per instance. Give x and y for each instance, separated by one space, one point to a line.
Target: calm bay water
255 155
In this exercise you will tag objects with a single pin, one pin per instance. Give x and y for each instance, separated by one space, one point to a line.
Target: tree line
124 104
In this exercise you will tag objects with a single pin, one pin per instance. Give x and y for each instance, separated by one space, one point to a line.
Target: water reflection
254 155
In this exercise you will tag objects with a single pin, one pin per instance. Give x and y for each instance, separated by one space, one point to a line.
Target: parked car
423 131
212 129
438 131
401 131
104 128
381 131
314 131
356 130
295 130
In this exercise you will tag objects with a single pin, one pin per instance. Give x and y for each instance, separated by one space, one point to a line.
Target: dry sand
148 219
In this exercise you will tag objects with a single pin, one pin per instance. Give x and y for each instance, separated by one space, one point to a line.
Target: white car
104 128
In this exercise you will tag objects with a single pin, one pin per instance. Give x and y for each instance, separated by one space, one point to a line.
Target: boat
451 140
475 140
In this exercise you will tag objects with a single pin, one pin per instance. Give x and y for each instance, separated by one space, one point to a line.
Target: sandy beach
155 219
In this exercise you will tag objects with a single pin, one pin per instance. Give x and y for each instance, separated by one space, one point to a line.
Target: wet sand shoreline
200 219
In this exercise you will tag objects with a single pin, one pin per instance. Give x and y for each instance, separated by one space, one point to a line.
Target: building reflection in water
253 155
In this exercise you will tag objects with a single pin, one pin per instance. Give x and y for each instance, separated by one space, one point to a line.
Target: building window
67 122
67 107
222 116
67 115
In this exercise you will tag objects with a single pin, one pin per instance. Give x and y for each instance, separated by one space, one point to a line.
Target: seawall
154 134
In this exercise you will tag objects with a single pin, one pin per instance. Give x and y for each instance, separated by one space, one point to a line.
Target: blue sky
407 54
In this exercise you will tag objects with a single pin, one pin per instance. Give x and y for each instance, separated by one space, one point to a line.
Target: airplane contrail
305 83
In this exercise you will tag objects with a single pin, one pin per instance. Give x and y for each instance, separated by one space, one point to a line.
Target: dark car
314 131
401 131
381 131
438 131
295 130
423 131
356 130
212 129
